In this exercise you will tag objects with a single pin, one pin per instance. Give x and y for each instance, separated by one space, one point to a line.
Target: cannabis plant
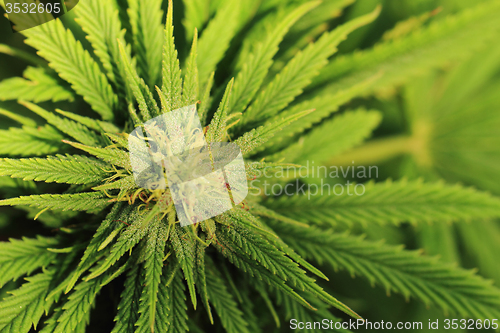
264 75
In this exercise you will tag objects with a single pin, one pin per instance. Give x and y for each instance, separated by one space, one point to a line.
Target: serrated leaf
390 202
73 129
184 247
125 242
177 316
26 305
143 95
217 129
213 45
20 257
171 72
38 86
146 21
452 289
254 71
99 19
96 125
74 64
420 51
128 308
331 138
191 87
257 137
113 156
28 141
223 301
298 73
150 310
69 169
79 202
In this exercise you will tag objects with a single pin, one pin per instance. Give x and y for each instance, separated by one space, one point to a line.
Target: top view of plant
407 89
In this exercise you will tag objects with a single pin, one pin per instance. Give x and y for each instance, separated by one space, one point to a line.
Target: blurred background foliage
442 124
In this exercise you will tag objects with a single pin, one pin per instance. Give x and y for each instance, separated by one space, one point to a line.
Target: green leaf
20 257
77 308
96 125
184 247
206 100
217 129
146 21
276 241
126 241
143 95
75 130
223 301
213 44
177 316
313 24
324 104
298 73
149 308
390 202
38 86
171 72
291 310
79 202
26 305
258 136
23 55
254 247
70 169
430 47
453 289
200 277
125 183
255 69
244 262
113 156
74 64
99 19
331 138
128 308
191 87
115 221
28 141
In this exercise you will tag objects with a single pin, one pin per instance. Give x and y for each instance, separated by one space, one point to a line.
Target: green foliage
226 307
333 137
70 169
91 201
267 77
30 141
455 290
145 19
39 86
26 305
391 202
74 64
257 66
20 257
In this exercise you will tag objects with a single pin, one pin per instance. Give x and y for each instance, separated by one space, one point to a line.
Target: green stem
376 151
